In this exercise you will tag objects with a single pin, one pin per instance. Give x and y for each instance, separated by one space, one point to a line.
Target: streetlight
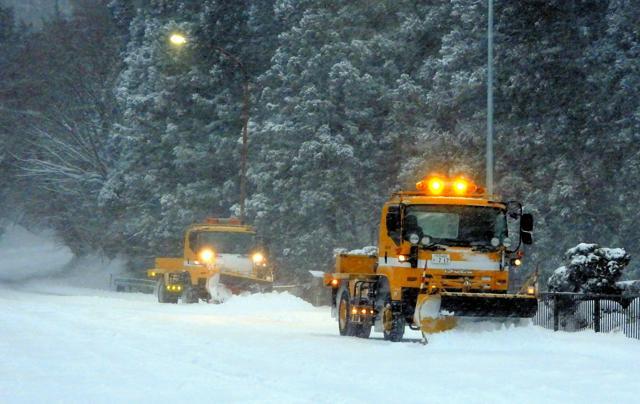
178 39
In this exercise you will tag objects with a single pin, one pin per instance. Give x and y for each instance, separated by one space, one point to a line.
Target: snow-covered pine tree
8 118
590 268
330 139
179 136
613 131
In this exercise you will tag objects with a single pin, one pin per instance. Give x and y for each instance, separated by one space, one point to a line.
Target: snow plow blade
439 312
488 305
237 282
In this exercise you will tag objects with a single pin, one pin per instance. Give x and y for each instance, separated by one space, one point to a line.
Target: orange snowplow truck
220 256
444 254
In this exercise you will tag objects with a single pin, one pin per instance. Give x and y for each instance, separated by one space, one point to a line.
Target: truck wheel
190 296
393 325
163 296
345 326
363 330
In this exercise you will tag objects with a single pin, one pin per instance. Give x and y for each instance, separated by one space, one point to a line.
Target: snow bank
25 255
275 302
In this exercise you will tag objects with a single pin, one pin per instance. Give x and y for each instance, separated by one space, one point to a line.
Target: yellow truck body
223 250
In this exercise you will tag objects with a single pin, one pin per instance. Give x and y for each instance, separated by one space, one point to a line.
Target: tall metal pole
245 138
489 159
245 128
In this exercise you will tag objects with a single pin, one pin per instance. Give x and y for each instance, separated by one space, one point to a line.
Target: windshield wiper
434 247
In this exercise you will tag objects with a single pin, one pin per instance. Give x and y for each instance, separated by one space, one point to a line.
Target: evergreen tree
327 146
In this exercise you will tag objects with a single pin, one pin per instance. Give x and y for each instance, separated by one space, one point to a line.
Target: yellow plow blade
439 312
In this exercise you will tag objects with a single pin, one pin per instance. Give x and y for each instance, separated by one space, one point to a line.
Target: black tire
345 326
393 326
190 296
363 330
163 296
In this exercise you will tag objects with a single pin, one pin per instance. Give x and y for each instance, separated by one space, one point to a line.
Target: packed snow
64 343
82 345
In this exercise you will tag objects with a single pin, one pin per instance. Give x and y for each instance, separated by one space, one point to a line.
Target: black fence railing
122 284
580 311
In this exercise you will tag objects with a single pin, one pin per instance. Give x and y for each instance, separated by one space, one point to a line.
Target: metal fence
122 284
582 312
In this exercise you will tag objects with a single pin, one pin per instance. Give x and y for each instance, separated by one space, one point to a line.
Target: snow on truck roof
226 228
414 198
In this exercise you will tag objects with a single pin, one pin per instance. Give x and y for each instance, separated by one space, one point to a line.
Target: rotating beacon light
460 186
436 185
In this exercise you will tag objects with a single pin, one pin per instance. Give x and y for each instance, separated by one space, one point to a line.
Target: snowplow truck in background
444 254
220 256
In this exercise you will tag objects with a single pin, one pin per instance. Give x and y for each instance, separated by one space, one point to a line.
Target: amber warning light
460 186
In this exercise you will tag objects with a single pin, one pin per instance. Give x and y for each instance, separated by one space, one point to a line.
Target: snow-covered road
61 344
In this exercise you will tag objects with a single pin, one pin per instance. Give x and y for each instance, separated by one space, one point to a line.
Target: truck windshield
226 243
456 225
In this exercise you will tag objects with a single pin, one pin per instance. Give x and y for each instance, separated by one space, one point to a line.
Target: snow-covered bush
590 269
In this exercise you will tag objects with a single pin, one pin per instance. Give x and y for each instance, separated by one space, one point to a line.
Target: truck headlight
414 238
258 258
206 255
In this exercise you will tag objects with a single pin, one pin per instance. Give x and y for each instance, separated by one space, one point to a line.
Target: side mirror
393 219
526 238
514 209
526 222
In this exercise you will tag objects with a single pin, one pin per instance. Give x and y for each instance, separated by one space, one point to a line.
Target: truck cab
217 252
447 244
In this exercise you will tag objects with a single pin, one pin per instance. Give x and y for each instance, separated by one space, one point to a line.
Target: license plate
440 259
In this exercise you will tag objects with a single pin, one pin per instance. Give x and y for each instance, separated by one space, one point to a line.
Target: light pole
489 145
179 40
